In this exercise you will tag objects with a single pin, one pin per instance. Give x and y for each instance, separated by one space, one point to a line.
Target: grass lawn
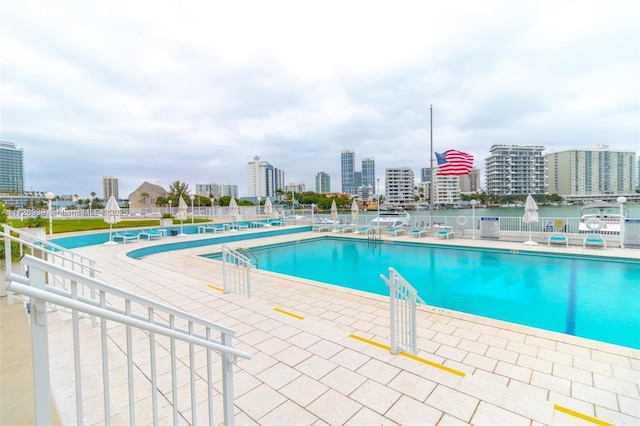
74 225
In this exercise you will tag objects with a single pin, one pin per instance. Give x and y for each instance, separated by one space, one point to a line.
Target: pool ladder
247 252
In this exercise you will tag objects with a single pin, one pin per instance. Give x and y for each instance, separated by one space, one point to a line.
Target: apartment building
516 170
596 171
399 186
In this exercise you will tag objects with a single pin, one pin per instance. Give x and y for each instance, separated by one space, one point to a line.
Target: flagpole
431 178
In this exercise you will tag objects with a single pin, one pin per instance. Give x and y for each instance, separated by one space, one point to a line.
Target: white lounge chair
150 234
124 237
418 233
594 240
395 231
445 233
558 239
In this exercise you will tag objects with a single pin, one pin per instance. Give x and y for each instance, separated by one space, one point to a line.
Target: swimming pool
567 294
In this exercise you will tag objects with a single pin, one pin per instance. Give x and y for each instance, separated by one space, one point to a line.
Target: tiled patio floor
312 371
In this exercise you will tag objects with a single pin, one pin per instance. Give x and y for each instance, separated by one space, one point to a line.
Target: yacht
601 217
391 219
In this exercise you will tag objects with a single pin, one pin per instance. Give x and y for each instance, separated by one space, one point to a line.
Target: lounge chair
558 239
418 233
594 240
150 234
320 228
445 233
124 237
343 229
361 230
395 231
210 228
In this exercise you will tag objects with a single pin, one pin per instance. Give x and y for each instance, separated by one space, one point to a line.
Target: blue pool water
596 298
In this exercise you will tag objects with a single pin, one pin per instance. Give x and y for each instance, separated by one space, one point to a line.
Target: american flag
454 163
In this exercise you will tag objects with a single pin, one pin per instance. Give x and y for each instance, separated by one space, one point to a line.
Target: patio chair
418 233
150 234
361 230
594 240
124 237
394 232
558 239
445 233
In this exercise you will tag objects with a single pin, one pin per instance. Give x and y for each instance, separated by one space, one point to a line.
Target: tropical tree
143 198
178 190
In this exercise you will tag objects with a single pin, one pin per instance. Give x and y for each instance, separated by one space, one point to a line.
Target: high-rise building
399 186
263 180
597 171
11 169
110 187
446 190
368 172
323 183
471 182
347 169
216 190
516 170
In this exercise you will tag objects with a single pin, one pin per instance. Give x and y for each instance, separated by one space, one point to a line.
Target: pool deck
313 371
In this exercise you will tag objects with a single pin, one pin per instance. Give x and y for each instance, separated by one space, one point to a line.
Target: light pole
169 206
378 201
621 201
259 198
473 215
212 207
192 212
49 196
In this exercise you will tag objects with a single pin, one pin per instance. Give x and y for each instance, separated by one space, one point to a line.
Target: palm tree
178 189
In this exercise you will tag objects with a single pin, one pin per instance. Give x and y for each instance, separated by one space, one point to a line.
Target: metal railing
403 300
48 251
159 353
236 272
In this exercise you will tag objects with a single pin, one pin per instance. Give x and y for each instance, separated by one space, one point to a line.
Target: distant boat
391 219
601 217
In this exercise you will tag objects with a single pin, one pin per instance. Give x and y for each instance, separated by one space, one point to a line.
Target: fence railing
159 354
48 251
403 300
236 272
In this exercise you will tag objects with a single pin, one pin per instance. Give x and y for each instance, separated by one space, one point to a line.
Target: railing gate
403 300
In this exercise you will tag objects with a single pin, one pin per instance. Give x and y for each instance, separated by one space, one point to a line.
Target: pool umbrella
530 217
234 211
182 214
111 216
268 207
334 212
354 212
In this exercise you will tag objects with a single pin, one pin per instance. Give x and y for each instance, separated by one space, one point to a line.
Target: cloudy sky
192 91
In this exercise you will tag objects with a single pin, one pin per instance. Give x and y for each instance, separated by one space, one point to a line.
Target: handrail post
227 381
40 353
393 289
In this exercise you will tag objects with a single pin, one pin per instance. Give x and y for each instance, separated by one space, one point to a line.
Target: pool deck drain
312 372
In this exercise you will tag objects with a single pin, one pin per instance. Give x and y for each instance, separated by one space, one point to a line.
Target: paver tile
334 408
376 396
452 402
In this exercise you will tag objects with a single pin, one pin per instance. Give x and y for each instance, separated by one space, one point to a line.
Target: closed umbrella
354 212
111 216
268 207
334 212
182 214
234 211
530 217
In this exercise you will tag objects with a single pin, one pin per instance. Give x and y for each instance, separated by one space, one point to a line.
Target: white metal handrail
236 272
159 321
403 300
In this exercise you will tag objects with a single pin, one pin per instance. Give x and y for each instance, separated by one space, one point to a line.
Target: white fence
147 361
236 272
403 300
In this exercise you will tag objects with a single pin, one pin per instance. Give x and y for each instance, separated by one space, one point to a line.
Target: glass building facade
11 169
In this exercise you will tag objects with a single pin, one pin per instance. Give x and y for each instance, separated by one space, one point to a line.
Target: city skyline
145 93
